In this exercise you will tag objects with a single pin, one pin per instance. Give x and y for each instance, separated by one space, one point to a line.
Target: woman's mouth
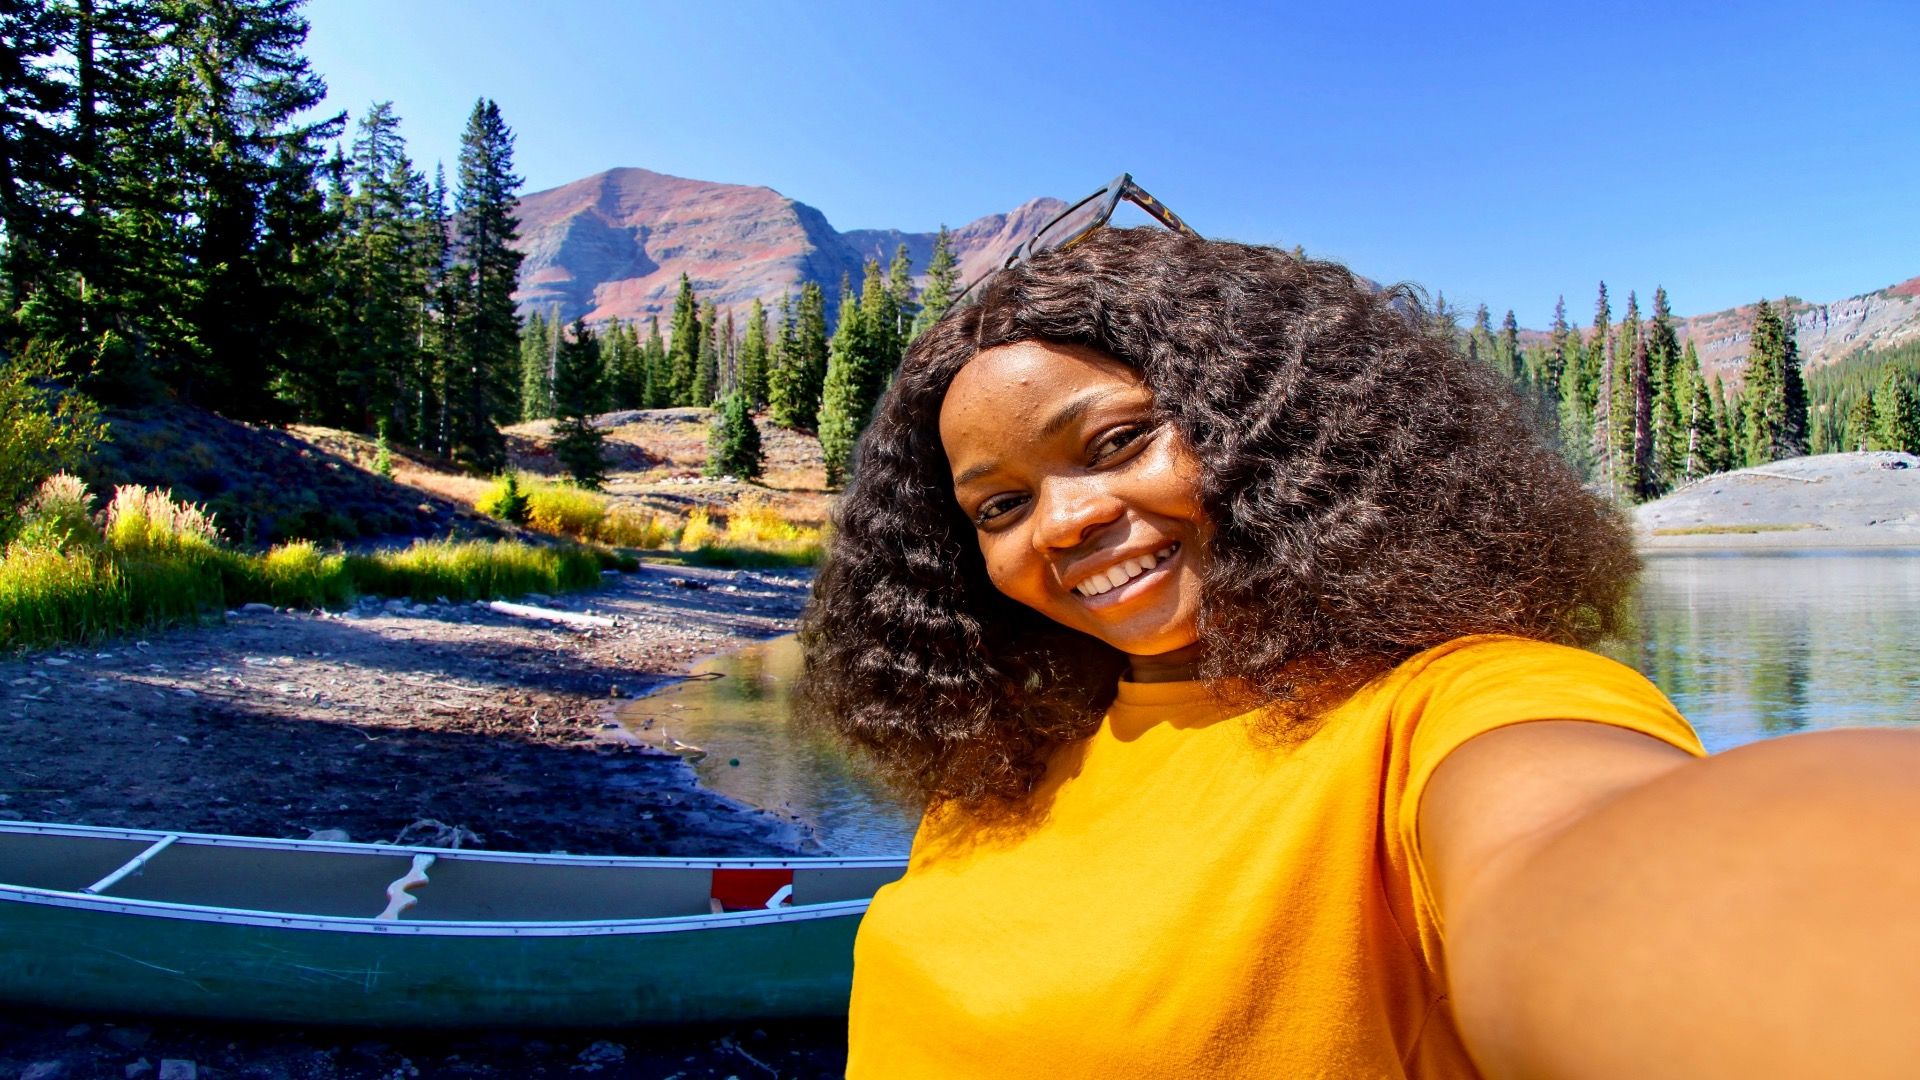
1115 576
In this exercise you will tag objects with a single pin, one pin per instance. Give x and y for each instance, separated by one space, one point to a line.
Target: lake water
1747 645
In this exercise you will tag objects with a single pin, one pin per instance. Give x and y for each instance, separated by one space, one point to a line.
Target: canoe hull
74 955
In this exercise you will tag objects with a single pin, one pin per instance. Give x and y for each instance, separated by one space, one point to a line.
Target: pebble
254 607
178 1069
603 1051
337 836
44 1070
138 1069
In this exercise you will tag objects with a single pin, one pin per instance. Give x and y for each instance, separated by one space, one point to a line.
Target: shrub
733 446
44 426
626 526
754 535
298 575
59 516
505 500
383 453
473 570
565 510
699 531
141 519
48 597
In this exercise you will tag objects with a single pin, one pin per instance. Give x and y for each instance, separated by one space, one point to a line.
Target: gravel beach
397 718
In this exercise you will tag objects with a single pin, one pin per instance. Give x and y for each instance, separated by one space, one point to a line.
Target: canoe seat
748 890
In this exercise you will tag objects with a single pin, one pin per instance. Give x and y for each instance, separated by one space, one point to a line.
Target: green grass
152 562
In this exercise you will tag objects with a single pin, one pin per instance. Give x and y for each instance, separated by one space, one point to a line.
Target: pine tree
839 426
626 368
1795 439
942 279
733 447
1644 485
900 287
706 372
536 371
683 351
1576 408
237 82
1670 393
1771 430
480 387
577 389
1896 415
799 372
1859 433
654 364
754 356
1600 360
865 351
1699 437
1507 349
1480 338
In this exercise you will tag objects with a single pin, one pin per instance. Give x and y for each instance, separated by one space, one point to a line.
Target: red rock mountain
613 245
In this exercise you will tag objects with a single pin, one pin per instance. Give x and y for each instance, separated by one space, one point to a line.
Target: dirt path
391 719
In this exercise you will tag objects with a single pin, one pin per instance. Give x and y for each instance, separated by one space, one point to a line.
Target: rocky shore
1869 499
398 721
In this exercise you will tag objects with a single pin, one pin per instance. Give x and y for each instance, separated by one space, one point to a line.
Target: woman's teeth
1123 573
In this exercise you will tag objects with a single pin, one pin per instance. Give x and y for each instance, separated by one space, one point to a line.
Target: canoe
303 931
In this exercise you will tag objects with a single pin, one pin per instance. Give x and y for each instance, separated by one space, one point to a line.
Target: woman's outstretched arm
1613 907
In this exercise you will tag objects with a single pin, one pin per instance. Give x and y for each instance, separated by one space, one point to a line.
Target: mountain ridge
613 246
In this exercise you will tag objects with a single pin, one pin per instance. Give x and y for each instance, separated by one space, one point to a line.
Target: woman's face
1087 509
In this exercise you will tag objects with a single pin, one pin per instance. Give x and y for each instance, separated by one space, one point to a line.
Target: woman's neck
1180 665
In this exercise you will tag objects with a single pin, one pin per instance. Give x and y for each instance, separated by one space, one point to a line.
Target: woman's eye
994 508
1112 442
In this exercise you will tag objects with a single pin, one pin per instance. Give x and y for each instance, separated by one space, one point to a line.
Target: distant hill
613 245
1826 333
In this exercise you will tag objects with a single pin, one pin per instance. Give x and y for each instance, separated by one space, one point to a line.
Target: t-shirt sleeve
1476 685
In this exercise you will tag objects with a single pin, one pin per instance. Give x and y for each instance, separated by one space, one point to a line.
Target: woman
1224 621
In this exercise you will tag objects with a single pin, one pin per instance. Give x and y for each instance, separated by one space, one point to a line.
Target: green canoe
314 932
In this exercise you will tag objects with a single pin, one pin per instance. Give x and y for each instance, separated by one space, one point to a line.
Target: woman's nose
1071 511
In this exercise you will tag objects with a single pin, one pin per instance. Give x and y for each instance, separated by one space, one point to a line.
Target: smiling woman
1224 618
1085 500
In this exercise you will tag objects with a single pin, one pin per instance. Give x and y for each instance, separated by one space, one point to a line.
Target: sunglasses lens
1074 224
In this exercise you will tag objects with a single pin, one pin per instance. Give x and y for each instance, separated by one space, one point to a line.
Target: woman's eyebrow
1070 414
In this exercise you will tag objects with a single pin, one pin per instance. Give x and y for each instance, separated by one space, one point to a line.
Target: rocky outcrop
613 245
1825 332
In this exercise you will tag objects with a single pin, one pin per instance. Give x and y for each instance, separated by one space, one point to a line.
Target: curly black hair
1372 493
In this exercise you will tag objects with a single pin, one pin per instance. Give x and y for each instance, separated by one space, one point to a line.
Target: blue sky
1498 153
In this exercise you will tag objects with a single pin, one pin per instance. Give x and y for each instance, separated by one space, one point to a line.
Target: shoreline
395 720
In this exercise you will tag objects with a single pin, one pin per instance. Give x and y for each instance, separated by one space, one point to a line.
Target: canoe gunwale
428 927
658 862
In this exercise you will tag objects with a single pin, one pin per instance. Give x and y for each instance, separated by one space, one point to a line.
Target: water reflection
1749 646
1756 645
743 716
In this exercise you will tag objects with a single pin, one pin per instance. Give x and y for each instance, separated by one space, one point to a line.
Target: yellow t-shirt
1186 901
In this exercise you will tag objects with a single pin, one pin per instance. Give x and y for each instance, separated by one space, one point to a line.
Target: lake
1749 646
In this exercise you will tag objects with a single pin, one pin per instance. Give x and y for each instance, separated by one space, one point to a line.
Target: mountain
1825 332
613 245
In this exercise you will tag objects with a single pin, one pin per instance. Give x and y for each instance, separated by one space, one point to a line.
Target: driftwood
570 618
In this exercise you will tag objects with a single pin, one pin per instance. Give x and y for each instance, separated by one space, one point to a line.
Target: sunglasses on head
1077 222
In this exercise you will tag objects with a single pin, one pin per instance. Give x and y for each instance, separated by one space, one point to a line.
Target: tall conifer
942 282
481 389
683 349
754 356
577 390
